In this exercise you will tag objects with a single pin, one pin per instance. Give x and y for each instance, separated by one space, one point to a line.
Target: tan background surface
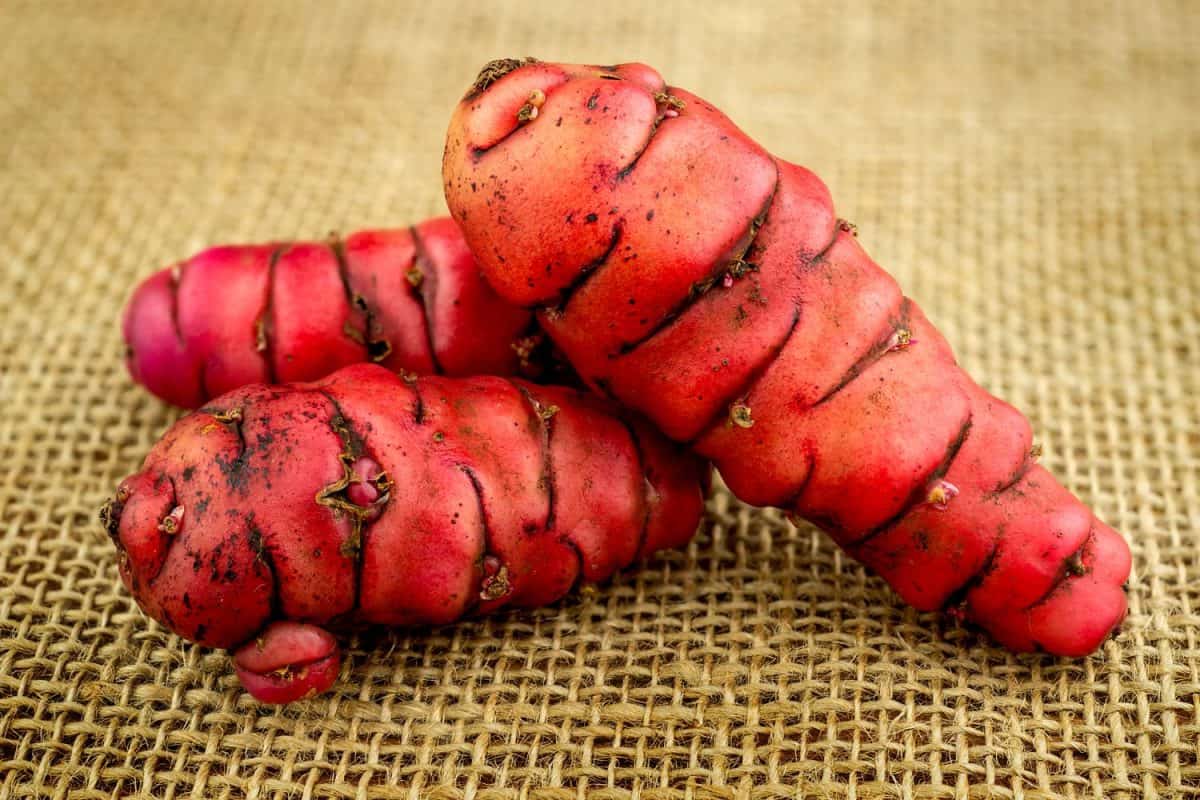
1030 171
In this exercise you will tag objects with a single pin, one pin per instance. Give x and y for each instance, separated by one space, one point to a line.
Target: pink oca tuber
277 513
409 299
692 276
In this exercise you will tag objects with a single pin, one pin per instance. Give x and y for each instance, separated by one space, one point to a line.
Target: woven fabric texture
1030 171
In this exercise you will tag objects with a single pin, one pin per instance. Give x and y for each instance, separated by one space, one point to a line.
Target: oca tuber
689 274
409 299
277 513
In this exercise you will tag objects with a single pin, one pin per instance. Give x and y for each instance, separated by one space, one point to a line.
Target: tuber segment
372 499
409 299
288 661
690 275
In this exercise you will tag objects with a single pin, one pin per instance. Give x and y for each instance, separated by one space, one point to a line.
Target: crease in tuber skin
690 275
407 298
276 514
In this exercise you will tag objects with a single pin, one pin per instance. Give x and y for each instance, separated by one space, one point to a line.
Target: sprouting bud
740 266
1035 452
525 346
415 276
536 98
527 113
495 579
672 102
900 339
172 523
739 414
940 495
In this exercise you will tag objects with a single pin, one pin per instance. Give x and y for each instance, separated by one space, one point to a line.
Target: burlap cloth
1031 173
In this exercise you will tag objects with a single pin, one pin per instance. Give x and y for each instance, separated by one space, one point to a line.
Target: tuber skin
687 273
409 299
277 513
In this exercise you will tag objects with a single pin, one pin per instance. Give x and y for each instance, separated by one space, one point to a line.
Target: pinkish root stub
288 661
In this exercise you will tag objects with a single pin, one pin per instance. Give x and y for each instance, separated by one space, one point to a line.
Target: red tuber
278 512
409 299
690 275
